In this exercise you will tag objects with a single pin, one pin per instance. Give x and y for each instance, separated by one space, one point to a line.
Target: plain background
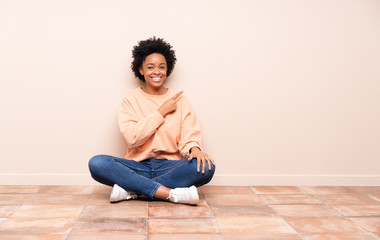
287 92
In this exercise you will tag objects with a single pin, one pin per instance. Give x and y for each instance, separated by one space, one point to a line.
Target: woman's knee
205 177
97 162
209 172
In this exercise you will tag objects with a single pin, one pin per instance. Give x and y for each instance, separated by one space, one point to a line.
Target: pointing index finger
175 97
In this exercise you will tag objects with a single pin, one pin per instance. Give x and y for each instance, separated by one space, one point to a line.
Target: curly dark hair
149 46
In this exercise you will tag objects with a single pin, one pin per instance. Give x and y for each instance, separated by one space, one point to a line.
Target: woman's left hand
202 158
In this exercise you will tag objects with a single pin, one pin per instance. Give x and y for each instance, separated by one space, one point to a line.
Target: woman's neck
154 91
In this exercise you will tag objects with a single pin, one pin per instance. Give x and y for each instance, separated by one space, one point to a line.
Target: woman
164 158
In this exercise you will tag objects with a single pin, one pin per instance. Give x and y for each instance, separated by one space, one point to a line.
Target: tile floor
246 213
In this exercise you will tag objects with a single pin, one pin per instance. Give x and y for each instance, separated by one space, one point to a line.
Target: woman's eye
150 68
162 68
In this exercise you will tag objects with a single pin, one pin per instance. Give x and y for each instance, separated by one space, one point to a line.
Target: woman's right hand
169 105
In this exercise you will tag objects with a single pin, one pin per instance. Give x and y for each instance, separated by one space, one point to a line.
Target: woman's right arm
137 131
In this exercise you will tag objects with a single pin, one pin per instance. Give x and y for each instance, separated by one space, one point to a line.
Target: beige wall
286 92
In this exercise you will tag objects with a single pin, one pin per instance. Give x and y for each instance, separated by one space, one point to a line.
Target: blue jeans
147 176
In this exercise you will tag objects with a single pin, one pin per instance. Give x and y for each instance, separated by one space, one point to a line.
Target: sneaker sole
114 199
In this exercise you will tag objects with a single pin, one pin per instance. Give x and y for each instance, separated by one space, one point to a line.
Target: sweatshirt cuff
186 149
158 118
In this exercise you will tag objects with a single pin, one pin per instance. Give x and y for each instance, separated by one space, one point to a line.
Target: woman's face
154 70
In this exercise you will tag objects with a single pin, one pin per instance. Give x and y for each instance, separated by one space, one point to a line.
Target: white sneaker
119 194
187 195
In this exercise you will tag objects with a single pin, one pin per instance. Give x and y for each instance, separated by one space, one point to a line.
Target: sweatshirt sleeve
137 131
190 132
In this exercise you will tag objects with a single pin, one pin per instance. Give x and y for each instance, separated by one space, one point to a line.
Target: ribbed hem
168 92
158 118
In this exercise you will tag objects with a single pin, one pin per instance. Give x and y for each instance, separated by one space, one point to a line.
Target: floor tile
36 226
14 198
359 210
180 225
104 190
105 236
67 190
19 189
305 211
346 199
33 237
323 225
267 236
226 189
328 190
7 210
99 199
277 190
110 226
242 210
238 212
114 211
371 224
185 237
179 211
254 225
57 199
350 236
48 211
233 199
367 189
289 199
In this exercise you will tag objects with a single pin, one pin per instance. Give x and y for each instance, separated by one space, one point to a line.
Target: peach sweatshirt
149 135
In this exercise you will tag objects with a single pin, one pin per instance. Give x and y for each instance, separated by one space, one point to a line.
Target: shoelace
176 195
182 194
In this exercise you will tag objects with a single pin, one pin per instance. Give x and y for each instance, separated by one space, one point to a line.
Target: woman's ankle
162 193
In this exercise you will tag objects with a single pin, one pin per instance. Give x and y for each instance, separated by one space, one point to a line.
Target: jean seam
169 169
174 166
152 168
137 169
154 190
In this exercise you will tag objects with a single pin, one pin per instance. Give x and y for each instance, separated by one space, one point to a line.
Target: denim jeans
147 176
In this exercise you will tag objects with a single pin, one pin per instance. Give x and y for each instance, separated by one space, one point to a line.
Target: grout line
253 190
77 218
360 227
23 203
277 214
147 221
372 197
18 208
298 234
40 189
217 223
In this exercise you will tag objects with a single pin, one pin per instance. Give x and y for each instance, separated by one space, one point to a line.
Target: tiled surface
233 213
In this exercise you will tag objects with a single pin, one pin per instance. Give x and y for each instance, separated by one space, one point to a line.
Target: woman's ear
141 71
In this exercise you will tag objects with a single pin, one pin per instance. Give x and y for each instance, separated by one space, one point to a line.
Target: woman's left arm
190 138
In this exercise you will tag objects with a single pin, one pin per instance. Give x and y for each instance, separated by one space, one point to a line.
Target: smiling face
154 70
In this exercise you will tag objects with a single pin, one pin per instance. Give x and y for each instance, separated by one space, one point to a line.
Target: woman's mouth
156 79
